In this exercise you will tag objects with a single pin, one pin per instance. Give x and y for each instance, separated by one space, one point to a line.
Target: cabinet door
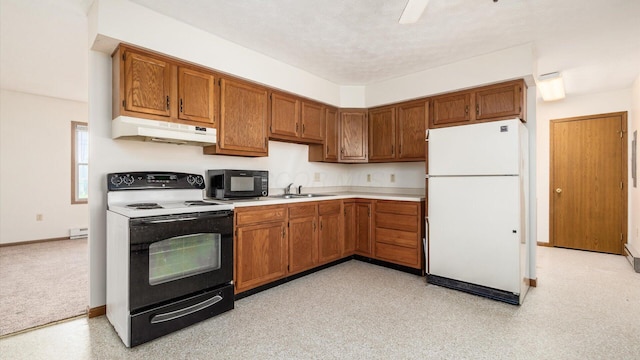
353 136
412 122
363 228
303 244
285 116
261 255
349 228
382 134
451 109
312 120
196 93
147 84
330 235
243 119
331 134
500 101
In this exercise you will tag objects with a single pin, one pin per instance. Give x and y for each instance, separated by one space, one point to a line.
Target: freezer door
490 148
474 230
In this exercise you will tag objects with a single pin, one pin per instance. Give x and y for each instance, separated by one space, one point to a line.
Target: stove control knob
128 179
116 180
199 180
191 179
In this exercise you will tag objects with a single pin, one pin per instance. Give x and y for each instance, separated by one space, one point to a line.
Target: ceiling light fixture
412 11
551 86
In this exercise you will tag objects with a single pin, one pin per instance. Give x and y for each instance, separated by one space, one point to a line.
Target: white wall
634 192
571 106
35 167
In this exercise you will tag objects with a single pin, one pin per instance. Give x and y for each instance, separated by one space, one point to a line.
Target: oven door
174 256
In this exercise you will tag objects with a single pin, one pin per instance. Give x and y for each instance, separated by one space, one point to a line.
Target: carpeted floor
42 283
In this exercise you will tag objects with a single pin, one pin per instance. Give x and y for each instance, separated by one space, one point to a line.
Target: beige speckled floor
587 306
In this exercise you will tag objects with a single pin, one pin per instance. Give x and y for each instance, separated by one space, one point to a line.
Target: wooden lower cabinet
398 232
260 246
303 237
363 222
349 227
330 236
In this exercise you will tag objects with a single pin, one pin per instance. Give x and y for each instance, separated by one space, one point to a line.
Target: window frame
75 163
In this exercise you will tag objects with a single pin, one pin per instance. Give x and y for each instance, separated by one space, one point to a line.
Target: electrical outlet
392 178
38 217
368 177
316 176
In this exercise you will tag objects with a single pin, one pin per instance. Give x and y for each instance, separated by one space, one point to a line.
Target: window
79 162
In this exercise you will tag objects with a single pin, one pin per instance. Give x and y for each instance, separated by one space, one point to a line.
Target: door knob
558 190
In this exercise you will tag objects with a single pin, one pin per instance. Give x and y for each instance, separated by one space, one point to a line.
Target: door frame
624 170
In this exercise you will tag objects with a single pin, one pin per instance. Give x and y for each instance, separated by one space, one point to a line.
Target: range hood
126 127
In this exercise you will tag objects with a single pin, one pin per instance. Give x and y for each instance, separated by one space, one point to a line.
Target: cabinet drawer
397 222
297 211
396 237
398 254
397 207
329 207
259 214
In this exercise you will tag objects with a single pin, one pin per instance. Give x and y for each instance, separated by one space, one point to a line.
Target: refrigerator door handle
425 244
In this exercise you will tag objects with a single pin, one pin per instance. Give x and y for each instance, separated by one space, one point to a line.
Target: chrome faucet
287 189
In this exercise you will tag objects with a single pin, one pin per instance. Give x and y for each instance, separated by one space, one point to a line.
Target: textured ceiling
357 42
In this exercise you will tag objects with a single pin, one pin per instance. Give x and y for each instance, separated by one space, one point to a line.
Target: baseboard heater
78 233
633 256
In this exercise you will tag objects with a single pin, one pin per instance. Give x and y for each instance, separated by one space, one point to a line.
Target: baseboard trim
633 257
533 282
34 241
546 244
96 311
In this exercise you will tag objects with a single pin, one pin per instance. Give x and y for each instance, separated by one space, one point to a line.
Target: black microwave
237 184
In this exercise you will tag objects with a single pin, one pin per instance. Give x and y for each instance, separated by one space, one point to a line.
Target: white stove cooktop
161 202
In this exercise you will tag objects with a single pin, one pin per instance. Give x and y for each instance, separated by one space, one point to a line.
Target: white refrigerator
477 214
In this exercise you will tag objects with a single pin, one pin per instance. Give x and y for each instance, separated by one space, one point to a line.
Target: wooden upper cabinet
500 101
412 123
151 86
285 115
327 152
353 135
295 120
242 129
382 134
312 122
196 96
147 83
488 103
451 109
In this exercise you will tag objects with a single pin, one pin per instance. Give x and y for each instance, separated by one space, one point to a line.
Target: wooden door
412 122
353 136
285 116
243 119
363 228
331 134
303 237
261 255
196 96
312 120
349 233
450 109
147 84
330 235
382 134
500 101
588 206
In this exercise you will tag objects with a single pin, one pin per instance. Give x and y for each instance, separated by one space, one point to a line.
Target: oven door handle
172 315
